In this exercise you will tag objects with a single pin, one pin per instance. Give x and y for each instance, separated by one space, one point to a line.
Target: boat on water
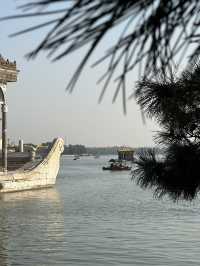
117 166
35 174
76 157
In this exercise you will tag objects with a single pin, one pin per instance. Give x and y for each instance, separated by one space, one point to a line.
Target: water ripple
96 218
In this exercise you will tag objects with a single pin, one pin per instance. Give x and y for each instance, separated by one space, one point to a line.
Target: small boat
117 167
76 157
34 174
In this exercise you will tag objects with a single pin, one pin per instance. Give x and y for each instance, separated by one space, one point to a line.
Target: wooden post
4 137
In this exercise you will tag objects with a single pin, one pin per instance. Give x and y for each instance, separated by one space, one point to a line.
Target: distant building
125 154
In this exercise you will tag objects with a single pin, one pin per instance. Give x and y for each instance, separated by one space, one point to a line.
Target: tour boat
116 167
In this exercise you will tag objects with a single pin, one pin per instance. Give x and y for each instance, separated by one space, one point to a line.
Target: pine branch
154 33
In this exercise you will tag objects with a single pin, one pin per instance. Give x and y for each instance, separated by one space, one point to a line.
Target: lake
94 217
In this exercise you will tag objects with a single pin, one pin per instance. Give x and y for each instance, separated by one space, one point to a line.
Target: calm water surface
95 218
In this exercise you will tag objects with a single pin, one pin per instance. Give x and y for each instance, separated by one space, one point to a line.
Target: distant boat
34 174
117 166
76 157
96 156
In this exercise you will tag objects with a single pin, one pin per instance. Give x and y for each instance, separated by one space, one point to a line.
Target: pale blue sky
40 108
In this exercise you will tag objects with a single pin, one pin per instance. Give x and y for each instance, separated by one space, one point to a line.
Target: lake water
94 217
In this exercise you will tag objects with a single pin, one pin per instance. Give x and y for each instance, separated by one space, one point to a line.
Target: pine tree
175 104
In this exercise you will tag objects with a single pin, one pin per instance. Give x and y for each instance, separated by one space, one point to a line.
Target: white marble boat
35 174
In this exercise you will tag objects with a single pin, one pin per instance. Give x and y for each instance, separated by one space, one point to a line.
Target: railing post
4 137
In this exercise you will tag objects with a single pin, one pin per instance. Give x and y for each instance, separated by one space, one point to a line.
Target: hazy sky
41 109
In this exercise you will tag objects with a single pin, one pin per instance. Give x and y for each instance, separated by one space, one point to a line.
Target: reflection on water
96 218
31 227
50 195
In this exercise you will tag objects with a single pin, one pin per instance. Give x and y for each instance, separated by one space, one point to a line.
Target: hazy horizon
40 109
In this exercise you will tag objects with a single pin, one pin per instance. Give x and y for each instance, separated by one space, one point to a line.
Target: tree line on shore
80 149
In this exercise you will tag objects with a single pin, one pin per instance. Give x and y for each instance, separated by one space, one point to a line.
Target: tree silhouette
175 104
155 34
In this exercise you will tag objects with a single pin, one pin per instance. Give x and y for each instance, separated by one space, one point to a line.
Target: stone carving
7 64
8 71
35 174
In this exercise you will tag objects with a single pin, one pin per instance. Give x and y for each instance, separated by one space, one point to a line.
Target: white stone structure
35 174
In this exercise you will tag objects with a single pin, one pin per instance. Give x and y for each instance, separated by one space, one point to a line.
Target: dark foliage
154 32
175 104
176 175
